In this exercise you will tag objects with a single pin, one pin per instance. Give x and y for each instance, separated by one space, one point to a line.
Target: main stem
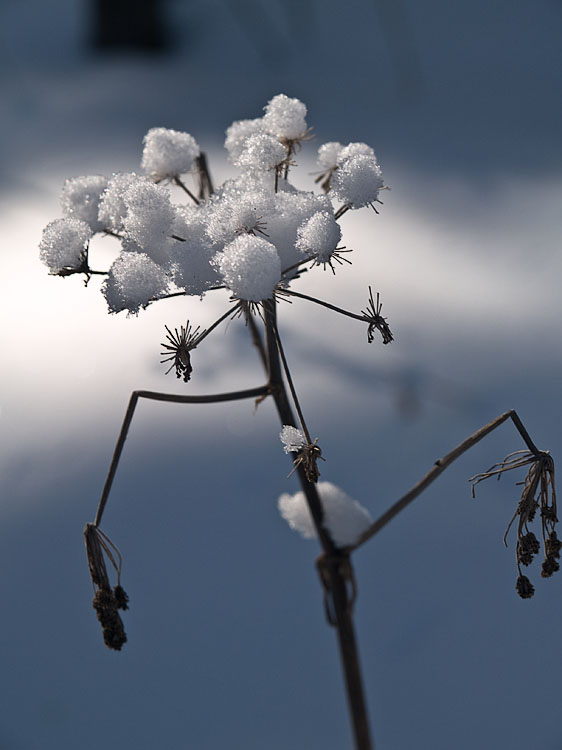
334 560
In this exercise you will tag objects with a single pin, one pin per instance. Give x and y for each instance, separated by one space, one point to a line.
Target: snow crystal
354 149
80 199
64 245
238 133
168 153
133 280
112 209
285 118
250 267
292 438
357 181
344 518
261 152
319 236
328 154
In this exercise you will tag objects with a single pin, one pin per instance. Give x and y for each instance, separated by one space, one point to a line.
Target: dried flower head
538 492
181 343
375 320
107 601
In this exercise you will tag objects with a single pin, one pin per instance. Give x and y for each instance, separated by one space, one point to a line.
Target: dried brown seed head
524 587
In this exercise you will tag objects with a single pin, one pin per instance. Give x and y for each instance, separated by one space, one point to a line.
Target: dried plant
255 237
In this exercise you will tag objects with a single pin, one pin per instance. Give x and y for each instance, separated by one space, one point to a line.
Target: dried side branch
439 467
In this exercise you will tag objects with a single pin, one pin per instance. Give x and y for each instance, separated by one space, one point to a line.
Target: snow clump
133 281
238 133
112 208
168 153
344 518
292 438
285 118
319 236
80 199
250 267
64 246
357 182
261 152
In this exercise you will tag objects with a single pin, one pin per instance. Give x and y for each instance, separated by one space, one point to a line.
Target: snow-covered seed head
292 438
319 236
261 152
344 518
328 154
133 281
80 199
168 153
64 246
238 133
357 182
149 216
354 149
250 267
285 118
112 208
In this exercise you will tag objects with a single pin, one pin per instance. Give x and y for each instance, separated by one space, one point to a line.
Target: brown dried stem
439 467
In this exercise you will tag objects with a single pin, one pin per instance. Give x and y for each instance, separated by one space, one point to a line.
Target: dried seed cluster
107 601
538 495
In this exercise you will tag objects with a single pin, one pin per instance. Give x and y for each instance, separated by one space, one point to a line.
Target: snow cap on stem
64 246
344 518
168 153
250 267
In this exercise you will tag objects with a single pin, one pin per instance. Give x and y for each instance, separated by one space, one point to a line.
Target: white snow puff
80 199
292 438
238 133
344 518
133 280
357 181
64 244
319 236
250 267
285 118
168 153
262 152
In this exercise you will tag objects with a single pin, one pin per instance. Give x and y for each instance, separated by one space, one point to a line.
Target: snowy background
227 641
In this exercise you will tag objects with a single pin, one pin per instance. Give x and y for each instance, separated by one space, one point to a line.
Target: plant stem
334 559
258 392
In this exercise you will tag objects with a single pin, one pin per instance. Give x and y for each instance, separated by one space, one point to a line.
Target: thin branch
263 390
183 186
355 316
256 335
439 467
291 384
206 188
